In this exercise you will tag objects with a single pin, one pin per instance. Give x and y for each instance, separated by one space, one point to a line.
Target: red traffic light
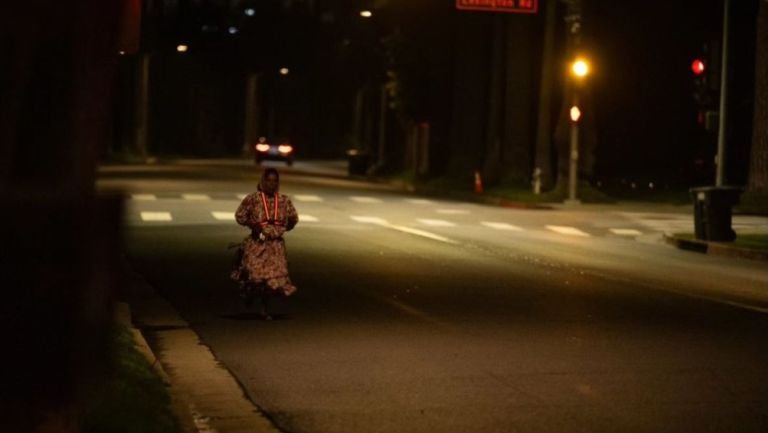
698 67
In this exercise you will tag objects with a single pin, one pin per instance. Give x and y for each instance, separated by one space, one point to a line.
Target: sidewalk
206 397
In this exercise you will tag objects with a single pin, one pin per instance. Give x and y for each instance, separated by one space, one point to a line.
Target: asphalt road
418 315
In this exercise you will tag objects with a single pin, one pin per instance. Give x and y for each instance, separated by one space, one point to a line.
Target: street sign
513 6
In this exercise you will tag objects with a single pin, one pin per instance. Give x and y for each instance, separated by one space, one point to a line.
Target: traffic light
698 66
702 93
706 84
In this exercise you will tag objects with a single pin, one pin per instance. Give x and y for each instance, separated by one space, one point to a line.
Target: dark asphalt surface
494 331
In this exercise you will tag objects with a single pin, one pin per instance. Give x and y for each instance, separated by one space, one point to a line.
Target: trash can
712 207
358 161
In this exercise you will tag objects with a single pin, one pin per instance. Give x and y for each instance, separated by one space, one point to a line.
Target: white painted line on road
421 201
360 199
156 216
422 233
383 223
368 219
224 216
435 223
453 211
626 232
571 231
501 226
196 197
144 197
307 198
308 218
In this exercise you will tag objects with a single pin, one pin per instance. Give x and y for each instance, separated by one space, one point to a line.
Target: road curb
179 401
715 248
476 198
206 395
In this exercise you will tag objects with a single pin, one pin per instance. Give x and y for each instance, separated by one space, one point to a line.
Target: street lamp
580 68
366 14
285 71
182 48
579 71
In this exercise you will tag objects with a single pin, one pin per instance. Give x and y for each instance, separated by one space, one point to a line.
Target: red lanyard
269 220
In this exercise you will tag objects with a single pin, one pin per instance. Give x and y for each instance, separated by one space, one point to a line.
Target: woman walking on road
263 266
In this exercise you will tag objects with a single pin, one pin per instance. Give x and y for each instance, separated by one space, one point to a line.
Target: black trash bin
712 207
358 161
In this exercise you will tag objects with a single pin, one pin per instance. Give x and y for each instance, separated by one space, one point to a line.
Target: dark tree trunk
544 133
757 185
492 164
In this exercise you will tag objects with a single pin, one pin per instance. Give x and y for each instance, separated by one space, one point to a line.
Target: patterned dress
263 266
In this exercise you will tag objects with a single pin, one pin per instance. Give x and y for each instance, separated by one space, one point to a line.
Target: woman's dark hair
270 170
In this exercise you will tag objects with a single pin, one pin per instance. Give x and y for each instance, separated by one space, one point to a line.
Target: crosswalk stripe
453 211
626 232
435 223
144 197
360 199
421 233
571 231
197 197
422 201
156 216
307 198
368 219
223 216
501 226
383 223
308 218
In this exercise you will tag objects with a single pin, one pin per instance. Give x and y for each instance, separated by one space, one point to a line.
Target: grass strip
133 398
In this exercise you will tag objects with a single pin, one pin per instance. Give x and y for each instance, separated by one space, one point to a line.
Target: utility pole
721 134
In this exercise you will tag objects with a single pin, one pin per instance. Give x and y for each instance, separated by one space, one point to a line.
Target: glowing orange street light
580 68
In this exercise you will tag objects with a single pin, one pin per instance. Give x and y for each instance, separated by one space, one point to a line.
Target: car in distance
266 150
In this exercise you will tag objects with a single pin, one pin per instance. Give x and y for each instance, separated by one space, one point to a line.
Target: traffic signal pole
721 137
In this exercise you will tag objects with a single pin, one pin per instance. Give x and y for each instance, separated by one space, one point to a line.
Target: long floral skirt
262 268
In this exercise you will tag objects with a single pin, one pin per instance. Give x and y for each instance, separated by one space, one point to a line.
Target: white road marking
369 219
435 223
144 197
223 216
197 197
156 216
422 201
307 198
453 211
308 218
383 223
422 233
501 226
626 232
571 231
360 199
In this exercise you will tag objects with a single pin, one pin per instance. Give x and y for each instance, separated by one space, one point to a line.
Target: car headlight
262 147
285 148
